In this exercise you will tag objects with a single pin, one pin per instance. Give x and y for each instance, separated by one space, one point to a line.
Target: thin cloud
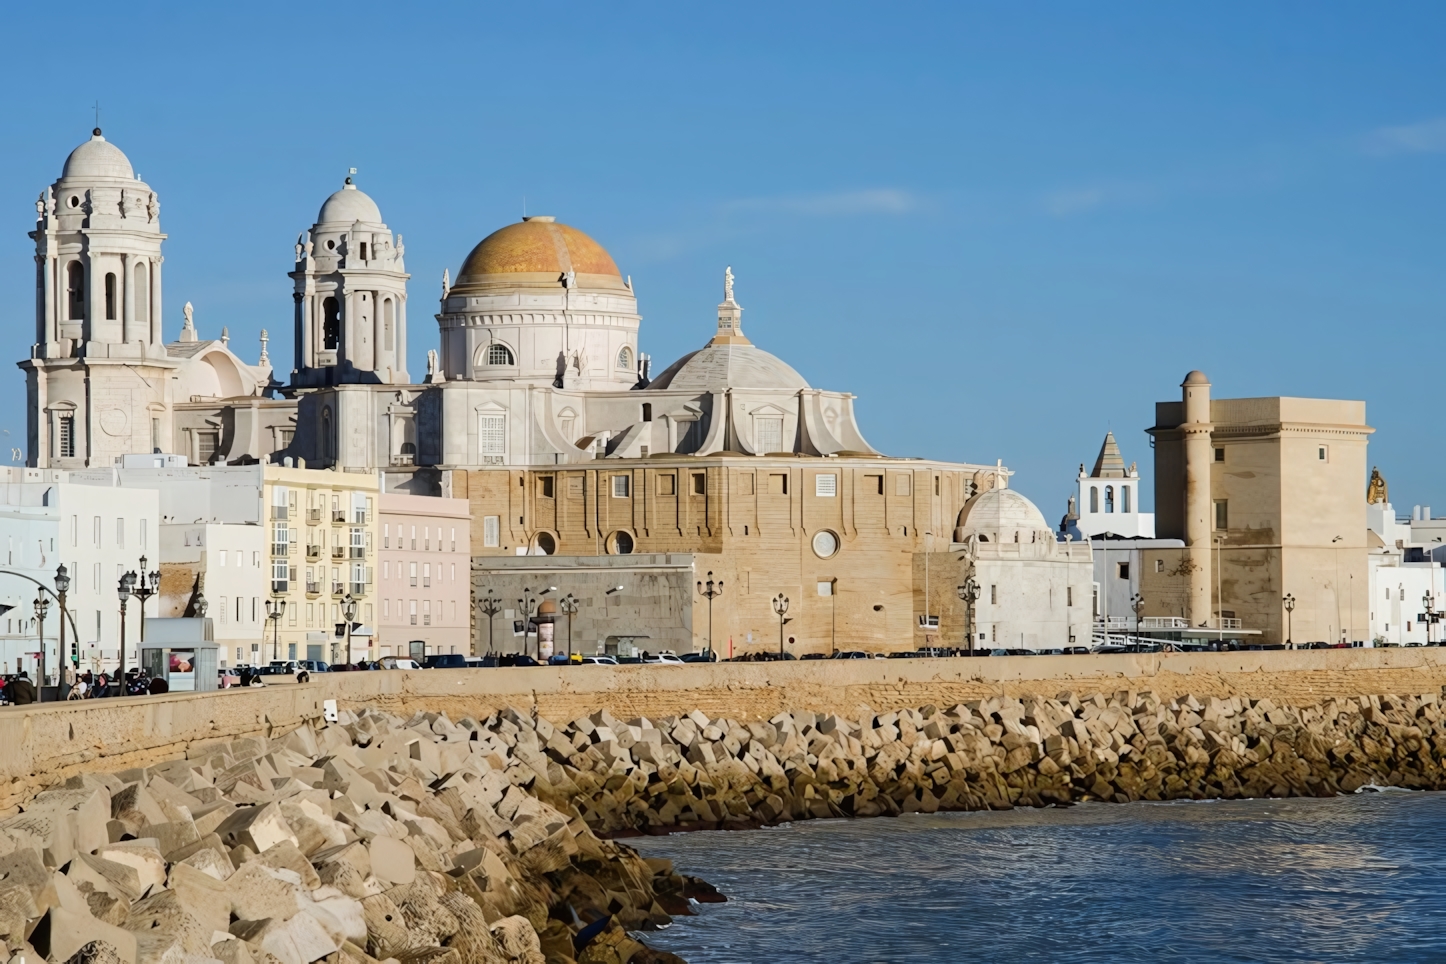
842 204
1426 137
1063 204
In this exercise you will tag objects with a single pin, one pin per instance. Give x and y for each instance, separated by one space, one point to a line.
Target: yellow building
323 534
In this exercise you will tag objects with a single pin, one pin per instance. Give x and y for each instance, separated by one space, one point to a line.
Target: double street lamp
1290 621
969 595
490 607
125 590
42 607
780 606
274 612
568 606
1137 603
146 585
348 612
710 591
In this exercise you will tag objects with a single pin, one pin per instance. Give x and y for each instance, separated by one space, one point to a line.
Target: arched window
1094 498
330 324
142 291
75 285
1109 498
388 320
1124 498
499 355
647 411
110 296
328 437
625 359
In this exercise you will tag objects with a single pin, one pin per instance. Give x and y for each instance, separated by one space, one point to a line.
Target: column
1199 526
157 318
128 298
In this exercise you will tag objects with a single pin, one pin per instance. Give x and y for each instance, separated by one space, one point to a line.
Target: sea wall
41 746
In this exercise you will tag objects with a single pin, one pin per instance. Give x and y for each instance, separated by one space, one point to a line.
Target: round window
622 544
825 543
331 245
546 544
74 201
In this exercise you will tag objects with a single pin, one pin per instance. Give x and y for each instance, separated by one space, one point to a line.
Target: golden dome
542 248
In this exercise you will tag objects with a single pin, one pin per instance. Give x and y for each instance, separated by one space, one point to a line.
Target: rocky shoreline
376 839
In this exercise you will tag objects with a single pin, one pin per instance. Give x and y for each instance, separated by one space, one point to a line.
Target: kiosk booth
183 652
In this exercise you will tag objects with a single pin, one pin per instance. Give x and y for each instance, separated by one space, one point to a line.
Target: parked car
664 658
707 656
814 656
516 659
312 666
999 652
1076 650
599 661
445 661
850 654
399 662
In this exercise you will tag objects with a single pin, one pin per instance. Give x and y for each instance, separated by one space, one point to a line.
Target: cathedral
539 408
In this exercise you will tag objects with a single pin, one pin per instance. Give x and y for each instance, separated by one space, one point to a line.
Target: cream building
1266 495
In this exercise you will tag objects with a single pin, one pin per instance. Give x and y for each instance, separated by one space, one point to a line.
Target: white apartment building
99 534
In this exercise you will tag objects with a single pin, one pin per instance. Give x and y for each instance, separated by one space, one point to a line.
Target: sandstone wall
41 746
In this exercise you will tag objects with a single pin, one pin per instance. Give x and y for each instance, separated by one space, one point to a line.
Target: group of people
19 690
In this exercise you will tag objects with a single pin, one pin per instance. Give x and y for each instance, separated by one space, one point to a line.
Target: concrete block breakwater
375 841
693 772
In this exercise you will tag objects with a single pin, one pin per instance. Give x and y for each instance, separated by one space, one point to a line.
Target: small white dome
98 157
348 205
717 367
998 514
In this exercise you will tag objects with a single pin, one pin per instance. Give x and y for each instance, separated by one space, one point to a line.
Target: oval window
622 544
825 543
546 544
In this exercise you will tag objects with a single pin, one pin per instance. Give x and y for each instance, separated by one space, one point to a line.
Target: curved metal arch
73 628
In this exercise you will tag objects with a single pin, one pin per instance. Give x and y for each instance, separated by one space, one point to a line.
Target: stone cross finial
265 361
225 334
188 330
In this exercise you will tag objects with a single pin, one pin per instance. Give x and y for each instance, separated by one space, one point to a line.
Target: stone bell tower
98 371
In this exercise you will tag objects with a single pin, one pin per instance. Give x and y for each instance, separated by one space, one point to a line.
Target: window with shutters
492 531
770 435
492 435
621 486
825 486
206 445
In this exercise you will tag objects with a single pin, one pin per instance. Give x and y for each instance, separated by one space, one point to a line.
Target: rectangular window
412 612
544 486
452 576
620 486
67 437
280 575
936 485
222 556
95 577
386 569
427 537
1125 498
141 534
426 612
412 575
95 531
120 533
770 435
874 484
825 486
667 483
386 608
491 435
426 574
700 483
1222 514
386 535
206 445
414 537
492 531
225 612
1159 565
75 530
994 595
1069 595
1321 453
454 538
280 539
1124 568
778 484
1220 455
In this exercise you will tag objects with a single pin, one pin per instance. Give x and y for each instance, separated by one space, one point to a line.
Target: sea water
1353 878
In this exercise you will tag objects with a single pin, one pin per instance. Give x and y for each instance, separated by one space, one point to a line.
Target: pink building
424 575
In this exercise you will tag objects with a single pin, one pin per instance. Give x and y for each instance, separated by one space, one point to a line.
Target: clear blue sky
1006 228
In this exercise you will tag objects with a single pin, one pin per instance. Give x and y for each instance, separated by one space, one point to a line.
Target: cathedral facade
539 407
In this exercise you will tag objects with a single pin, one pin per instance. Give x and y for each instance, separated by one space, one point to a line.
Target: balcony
358 552
313 516
313 588
280 586
338 552
337 588
358 589
313 553
1229 623
338 516
279 513
1164 622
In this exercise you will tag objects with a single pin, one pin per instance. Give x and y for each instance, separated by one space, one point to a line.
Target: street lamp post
1289 620
490 607
348 612
125 590
1137 603
62 586
969 595
274 610
1429 603
147 585
780 606
526 604
710 591
42 607
568 605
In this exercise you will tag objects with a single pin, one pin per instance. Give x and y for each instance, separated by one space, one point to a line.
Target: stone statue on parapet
728 283
1376 489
